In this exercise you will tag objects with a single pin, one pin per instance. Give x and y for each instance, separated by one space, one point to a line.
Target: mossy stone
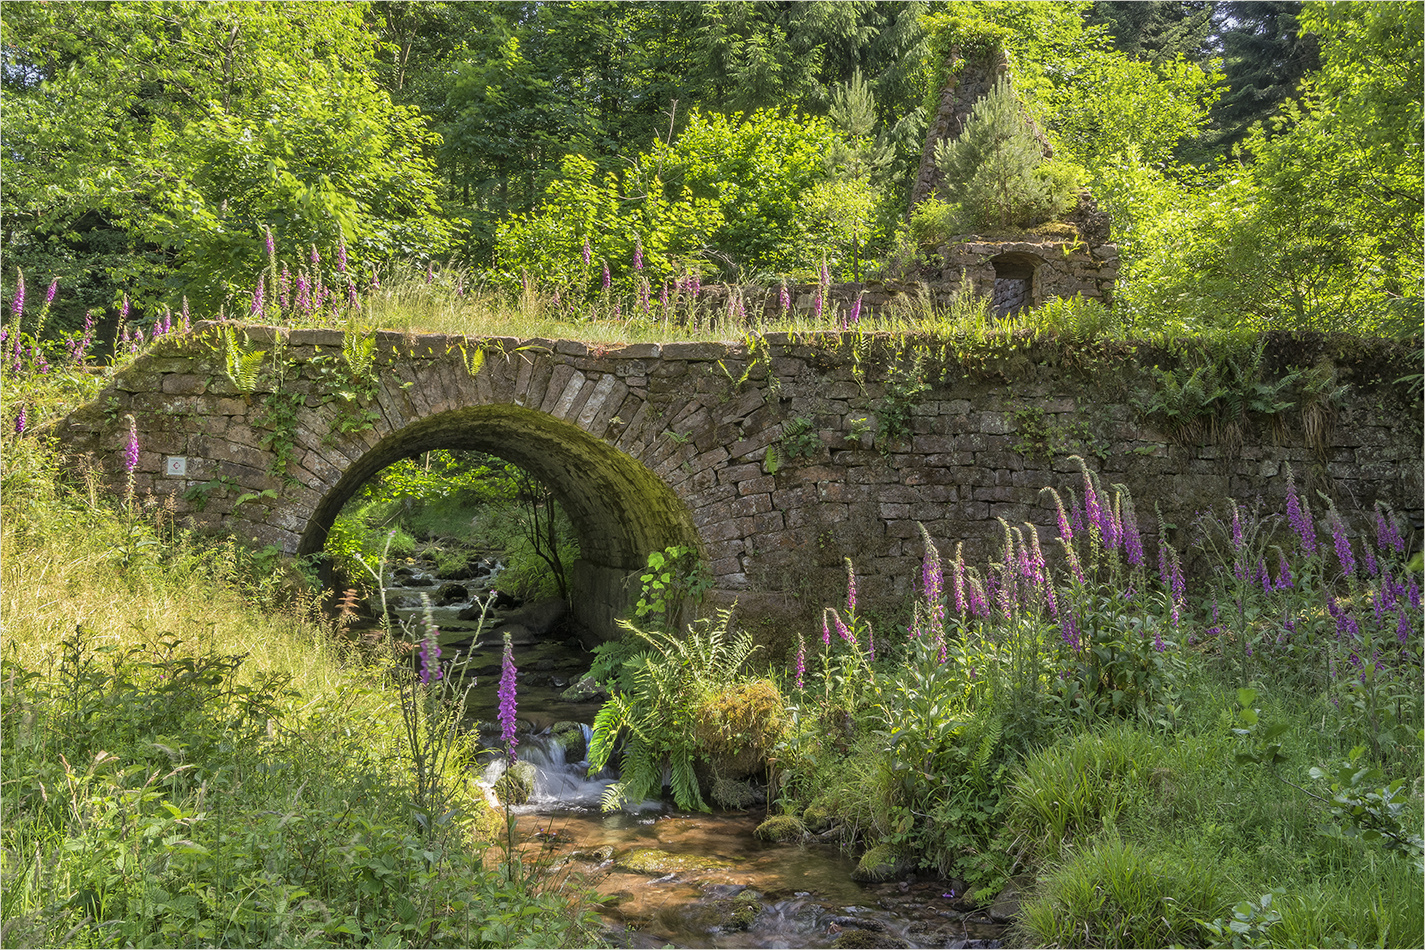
881 864
781 828
816 818
654 861
516 785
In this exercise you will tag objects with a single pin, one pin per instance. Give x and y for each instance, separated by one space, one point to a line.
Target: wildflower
131 450
430 272
825 631
801 661
850 585
1342 544
1092 510
785 299
871 646
1158 643
1387 534
257 299
507 699
1402 628
816 306
1283 573
695 284
1299 517
1069 630
17 307
845 632
1372 566
351 299
979 604
124 309
1237 540
607 280
959 582
1264 578
587 252
187 325
1112 535
855 317
20 422
430 644
638 254
1132 540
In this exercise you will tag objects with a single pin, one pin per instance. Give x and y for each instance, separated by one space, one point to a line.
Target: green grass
193 756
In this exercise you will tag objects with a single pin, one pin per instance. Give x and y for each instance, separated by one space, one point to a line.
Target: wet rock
880 864
867 940
545 665
734 794
655 862
593 855
570 736
540 617
781 828
448 594
586 690
504 600
1006 905
816 818
516 785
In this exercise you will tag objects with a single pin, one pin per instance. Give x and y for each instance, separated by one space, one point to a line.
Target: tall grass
192 755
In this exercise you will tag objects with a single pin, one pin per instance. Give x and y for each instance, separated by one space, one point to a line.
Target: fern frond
607 723
685 783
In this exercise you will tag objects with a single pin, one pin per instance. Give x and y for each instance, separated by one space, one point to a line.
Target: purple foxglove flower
855 317
124 309
663 296
1092 510
1300 518
1414 592
816 306
825 630
1158 643
1263 577
587 252
131 450
979 603
1069 630
17 306
695 286
1343 545
1387 535
20 422
49 294
507 699
785 299
186 324
1132 540
257 299
959 581
304 298
351 299
1402 628
846 634
638 255
801 661
137 342
1367 555
1237 540
871 646
430 272
1284 580
850 585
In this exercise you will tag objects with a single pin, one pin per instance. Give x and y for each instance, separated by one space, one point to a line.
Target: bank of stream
669 877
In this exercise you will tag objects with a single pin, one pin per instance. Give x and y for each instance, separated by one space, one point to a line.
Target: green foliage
799 438
904 386
1118 894
995 171
1215 396
730 191
674 579
218 119
241 361
658 716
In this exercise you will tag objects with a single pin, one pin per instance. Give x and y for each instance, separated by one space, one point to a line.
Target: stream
671 878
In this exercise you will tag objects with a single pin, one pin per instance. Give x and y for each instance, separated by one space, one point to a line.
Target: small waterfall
557 783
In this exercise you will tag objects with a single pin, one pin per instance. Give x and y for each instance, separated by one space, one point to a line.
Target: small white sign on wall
177 466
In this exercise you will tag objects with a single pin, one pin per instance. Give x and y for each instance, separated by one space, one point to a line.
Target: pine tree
993 170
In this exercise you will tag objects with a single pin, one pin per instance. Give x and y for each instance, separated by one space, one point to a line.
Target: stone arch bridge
777 456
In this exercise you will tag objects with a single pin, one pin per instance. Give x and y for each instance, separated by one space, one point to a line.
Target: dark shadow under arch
619 509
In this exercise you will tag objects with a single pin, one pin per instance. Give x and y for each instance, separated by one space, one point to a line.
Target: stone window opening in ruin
1014 283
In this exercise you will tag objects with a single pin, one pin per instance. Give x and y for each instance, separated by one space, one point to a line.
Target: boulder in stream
570 736
781 828
882 863
655 862
584 691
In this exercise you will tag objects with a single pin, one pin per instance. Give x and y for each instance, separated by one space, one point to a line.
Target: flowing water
671 878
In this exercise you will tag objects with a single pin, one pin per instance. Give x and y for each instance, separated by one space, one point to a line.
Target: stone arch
1014 287
620 509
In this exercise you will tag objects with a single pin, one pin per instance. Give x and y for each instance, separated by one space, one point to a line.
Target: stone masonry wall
778 457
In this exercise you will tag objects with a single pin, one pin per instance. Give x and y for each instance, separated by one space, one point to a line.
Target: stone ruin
1060 259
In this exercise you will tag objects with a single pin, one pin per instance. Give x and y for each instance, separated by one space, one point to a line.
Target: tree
172 133
1157 31
994 172
1265 53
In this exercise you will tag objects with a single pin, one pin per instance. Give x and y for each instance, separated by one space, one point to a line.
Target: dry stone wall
778 456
